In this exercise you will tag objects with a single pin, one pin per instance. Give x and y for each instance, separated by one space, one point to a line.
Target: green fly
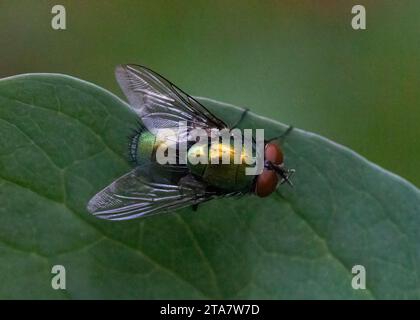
152 188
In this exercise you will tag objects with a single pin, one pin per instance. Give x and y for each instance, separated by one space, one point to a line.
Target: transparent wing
161 104
135 195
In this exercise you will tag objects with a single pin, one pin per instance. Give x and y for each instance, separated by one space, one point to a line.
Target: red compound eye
266 183
267 180
273 153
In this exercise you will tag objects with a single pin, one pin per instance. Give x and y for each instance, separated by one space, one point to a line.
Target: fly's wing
161 104
135 195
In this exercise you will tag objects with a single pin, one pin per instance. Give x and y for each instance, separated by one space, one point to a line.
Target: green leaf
62 140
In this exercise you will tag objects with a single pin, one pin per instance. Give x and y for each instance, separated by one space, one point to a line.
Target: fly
151 188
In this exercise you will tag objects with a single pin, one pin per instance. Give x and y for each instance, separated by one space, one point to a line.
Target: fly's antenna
284 173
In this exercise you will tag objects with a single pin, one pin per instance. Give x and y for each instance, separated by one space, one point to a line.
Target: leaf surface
63 139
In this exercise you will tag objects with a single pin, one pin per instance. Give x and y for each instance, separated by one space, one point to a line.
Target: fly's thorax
228 176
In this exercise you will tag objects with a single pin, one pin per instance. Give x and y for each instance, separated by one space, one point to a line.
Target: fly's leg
199 188
244 113
283 135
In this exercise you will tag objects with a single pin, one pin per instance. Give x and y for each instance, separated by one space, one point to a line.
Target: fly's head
274 170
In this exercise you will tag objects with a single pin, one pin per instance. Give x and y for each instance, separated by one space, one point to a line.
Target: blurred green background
299 62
